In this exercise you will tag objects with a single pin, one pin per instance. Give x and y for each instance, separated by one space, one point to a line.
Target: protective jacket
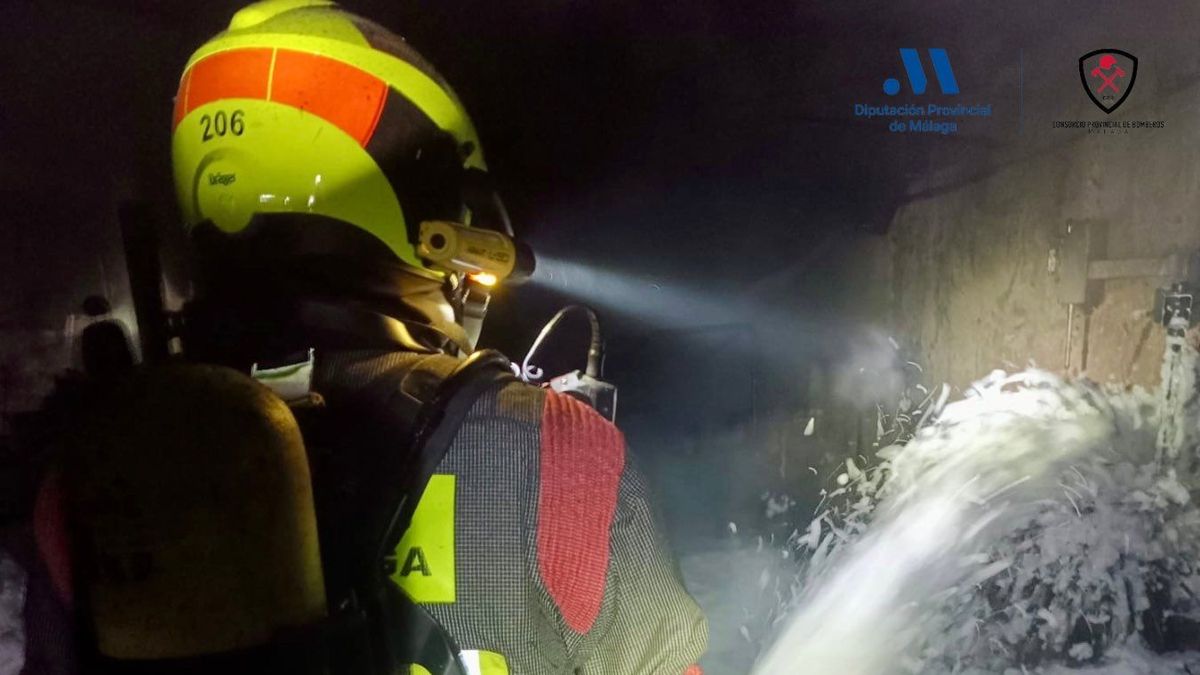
534 544
536 539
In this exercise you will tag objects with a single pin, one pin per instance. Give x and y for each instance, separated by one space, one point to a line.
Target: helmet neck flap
289 282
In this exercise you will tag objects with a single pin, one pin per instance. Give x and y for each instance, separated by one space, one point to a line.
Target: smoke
871 372
12 624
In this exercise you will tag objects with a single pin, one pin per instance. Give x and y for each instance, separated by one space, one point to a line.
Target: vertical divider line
271 72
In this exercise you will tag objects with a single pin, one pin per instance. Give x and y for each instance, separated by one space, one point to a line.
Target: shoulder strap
439 415
439 412
389 420
411 408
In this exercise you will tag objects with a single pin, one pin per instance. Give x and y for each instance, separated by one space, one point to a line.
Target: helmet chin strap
474 309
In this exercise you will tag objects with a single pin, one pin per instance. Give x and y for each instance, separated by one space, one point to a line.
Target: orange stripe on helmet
181 108
339 93
241 73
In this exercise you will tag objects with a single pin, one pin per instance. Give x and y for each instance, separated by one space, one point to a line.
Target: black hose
595 348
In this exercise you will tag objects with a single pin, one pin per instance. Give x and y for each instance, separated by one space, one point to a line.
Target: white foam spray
1021 454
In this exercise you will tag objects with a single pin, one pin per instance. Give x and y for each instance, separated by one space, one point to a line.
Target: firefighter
311 150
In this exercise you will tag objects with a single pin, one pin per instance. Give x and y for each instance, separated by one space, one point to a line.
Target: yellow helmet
302 108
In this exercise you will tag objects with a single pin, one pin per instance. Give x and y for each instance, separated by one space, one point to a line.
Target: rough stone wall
971 289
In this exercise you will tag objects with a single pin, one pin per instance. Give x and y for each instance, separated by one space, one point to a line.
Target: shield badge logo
1108 76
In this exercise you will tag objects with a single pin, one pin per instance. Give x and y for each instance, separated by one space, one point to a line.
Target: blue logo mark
916 73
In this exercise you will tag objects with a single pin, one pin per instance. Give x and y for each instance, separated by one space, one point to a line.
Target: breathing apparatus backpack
221 525
204 518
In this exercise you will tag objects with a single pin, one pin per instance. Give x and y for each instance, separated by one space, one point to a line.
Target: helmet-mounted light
485 256
484 279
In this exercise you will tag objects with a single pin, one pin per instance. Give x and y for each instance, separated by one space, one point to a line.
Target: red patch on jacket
50 536
582 456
